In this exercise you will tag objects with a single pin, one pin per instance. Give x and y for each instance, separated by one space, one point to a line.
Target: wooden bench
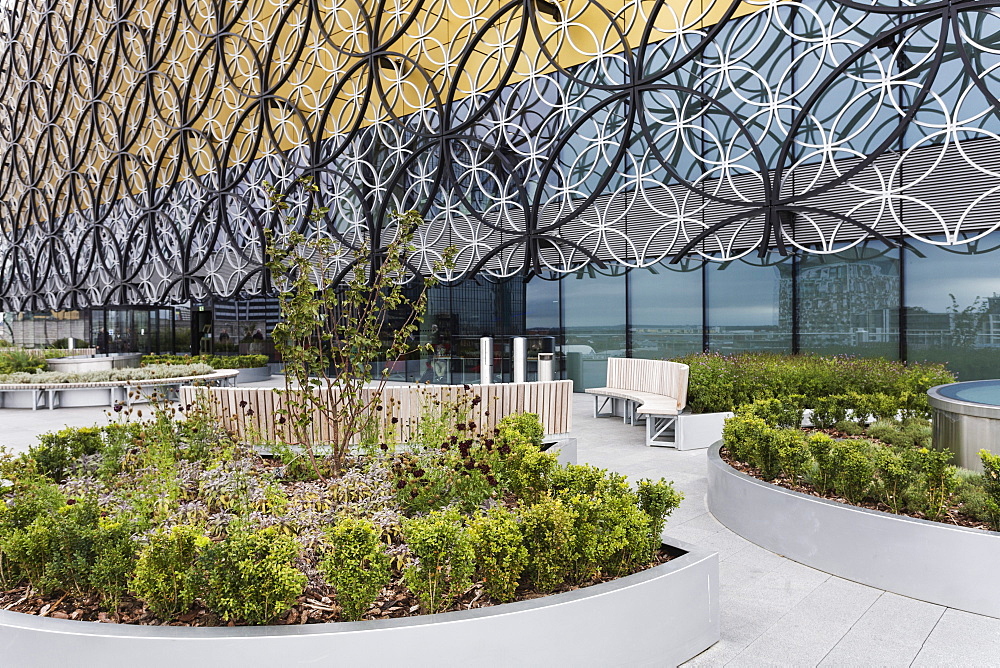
119 391
651 390
254 412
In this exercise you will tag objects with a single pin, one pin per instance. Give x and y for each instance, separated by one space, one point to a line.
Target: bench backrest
656 376
550 400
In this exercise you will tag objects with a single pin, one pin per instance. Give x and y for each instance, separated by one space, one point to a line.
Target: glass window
848 303
593 303
953 306
750 304
666 309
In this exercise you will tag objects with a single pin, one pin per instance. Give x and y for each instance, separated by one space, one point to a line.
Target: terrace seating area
50 395
653 391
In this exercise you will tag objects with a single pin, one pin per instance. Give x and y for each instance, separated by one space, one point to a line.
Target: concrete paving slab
961 639
891 633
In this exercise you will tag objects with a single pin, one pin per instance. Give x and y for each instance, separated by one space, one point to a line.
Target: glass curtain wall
666 310
952 304
594 323
749 304
848 303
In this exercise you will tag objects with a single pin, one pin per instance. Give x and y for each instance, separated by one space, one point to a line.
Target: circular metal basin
966 418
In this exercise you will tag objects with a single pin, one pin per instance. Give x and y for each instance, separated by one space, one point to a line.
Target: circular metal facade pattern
532 135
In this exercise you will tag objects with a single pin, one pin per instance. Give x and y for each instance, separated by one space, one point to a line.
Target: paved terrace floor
775 612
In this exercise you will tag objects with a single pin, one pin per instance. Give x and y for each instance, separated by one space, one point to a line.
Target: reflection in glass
666 310
750 304
594 321
953 306
848 303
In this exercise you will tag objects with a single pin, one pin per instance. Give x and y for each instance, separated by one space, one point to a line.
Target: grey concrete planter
697 431
934 562
254 375
660 617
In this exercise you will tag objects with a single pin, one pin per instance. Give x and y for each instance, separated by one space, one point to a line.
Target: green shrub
20 361
356 565
166 572
521 467
445 559
723 382
849 427
114 558
214 361
821 448
937 480
893 477
547 527
610 535
251 575
776 412
991 486
57 550
741 433
57 452
854 470
499 551
974 493
828 411
527 424
793 453
658 500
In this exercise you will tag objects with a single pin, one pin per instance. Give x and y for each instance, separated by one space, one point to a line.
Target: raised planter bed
939 563
662 616
81 363
104 393
254 374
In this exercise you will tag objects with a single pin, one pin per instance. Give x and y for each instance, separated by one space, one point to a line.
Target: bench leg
600 403
658 426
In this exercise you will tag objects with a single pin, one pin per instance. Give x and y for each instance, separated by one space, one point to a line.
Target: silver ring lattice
534 136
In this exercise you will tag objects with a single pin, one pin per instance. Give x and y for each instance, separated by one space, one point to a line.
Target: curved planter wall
940 563
254 375
662 616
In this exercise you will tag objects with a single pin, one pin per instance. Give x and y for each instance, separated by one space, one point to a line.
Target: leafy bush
781 413
658 500
214 361
724 382
355 564
20 361
500 553
250 575
854 469
166 573
821 449
444 559
547 527
58 451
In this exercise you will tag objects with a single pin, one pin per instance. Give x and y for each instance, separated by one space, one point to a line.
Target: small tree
335 328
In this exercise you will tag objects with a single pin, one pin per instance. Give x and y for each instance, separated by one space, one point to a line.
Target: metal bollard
545 366
520 358
485 360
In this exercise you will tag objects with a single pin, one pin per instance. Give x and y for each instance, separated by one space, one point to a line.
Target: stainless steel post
545 366
520 358
485 360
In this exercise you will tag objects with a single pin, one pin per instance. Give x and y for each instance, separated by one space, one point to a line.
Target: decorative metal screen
531 134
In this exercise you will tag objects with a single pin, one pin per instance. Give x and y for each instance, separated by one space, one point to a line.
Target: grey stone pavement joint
774 611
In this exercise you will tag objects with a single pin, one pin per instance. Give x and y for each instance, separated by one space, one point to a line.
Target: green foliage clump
500 553
658 499
444 559
854 469
57 452
849 427
821 449
785 413
723 382
250 575
526 424
937 480
166 573
214 361
355 564
20 361
547 527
